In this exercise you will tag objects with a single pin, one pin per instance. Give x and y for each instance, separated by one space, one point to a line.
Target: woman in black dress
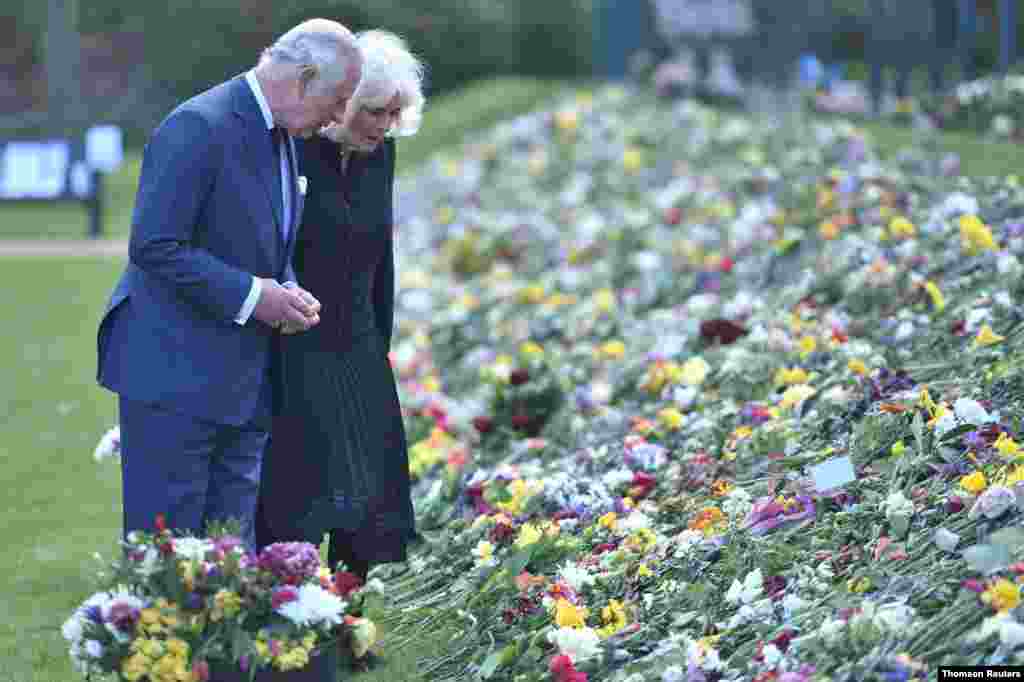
337 460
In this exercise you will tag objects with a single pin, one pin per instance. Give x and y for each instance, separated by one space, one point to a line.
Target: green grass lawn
61 506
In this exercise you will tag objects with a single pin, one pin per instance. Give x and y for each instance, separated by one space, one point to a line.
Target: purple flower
123 616
227 543
291 562
194 601
584 399
95 614
974 440
768 514
243 663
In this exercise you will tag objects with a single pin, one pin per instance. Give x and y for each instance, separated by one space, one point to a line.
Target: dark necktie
278 138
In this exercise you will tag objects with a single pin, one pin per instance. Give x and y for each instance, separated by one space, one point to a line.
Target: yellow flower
614 617
795 395
898 448
828 230
528 535
694 371
642 540
974 483
671 418
632 159
567 120
790 376
987 337
900 227
859 585
609 520
431 384
567 615
227 602
613 349
858 367
444 215
643 571
1002 595
938 300
808 344
975 236
135 667
531 349
178 647
604 300
484 550
1006 445
532 293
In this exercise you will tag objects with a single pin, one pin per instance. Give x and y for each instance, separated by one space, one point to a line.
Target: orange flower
721 488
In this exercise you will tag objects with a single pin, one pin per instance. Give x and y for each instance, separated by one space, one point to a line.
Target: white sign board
675 19
34 170
832 474
104 148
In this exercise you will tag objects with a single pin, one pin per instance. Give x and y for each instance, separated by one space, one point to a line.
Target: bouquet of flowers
176 608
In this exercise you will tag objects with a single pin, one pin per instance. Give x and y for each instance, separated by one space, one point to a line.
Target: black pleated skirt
337 457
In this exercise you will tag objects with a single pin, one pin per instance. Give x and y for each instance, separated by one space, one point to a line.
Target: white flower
792 603
617 477
315 606
971 412
673 674
993 503
897 505
894 617
772 655
194 549
576 576
946 423
1011 634
634 521
685 396
686 541
578 644
109 445
738 503
747 591
946 540
93 648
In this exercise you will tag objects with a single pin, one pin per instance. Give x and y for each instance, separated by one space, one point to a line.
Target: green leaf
490 665
515 564
952 435
917 427
1010 537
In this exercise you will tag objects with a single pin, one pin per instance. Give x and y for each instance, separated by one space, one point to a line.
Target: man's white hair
326 45
390 69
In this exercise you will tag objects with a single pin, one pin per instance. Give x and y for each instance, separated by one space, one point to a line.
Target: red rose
521 421
673 216
725 265
561 665
282 596
346 582
483 424
201 671
161 523
518 376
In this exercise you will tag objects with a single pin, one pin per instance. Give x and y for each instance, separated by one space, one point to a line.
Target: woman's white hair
324 44
390 69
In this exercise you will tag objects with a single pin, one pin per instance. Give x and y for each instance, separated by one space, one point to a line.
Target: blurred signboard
707 19
34 170
104 148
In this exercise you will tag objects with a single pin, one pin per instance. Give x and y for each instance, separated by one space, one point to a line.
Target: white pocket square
303 184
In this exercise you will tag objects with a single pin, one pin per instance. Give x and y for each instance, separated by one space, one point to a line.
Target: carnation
578 644
194 549
314 606
292 562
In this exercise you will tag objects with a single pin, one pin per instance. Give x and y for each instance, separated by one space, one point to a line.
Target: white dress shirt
286 197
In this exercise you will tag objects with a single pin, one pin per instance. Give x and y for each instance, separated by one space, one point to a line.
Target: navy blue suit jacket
206 220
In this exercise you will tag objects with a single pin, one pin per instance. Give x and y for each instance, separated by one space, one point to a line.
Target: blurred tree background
138 59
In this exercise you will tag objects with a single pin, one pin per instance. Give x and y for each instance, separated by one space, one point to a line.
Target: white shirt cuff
250 302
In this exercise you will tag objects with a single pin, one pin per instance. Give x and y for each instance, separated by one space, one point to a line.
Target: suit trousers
191 471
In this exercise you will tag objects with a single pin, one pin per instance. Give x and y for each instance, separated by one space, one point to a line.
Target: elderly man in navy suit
189 337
